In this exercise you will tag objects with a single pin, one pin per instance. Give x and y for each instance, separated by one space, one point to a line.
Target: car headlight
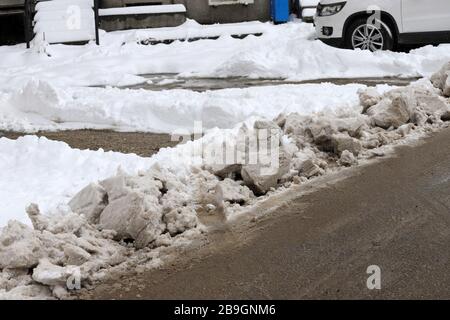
324 10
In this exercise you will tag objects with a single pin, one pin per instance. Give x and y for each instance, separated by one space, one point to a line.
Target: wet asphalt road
394 214
158 82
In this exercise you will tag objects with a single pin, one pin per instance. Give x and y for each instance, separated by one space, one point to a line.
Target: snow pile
151 210
295 55
127 216
285 51
50 173
56 250
144 208
43 106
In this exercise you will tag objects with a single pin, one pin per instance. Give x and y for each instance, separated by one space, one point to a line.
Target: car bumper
329 29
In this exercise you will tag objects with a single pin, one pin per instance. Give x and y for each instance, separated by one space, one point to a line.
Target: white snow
41 106
37 170
285 51
151 9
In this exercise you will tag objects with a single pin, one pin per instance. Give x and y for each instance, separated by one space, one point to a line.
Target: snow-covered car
382 24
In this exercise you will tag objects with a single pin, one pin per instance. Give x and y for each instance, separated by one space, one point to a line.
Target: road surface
169 81
394 214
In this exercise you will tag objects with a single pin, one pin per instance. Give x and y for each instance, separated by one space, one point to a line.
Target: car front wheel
367 36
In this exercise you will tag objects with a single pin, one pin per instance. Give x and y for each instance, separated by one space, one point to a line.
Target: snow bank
296 56
51 173
286 51
42 106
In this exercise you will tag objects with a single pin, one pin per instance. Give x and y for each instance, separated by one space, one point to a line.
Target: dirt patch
142 144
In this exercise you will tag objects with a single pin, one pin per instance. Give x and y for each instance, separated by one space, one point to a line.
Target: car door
425 15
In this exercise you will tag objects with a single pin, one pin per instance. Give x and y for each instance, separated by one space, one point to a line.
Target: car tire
365 36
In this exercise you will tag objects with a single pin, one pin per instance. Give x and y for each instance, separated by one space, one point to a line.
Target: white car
382 24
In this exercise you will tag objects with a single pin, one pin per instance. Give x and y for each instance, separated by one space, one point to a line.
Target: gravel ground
143 144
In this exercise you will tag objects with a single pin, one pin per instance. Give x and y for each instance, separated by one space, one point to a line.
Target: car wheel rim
367 37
